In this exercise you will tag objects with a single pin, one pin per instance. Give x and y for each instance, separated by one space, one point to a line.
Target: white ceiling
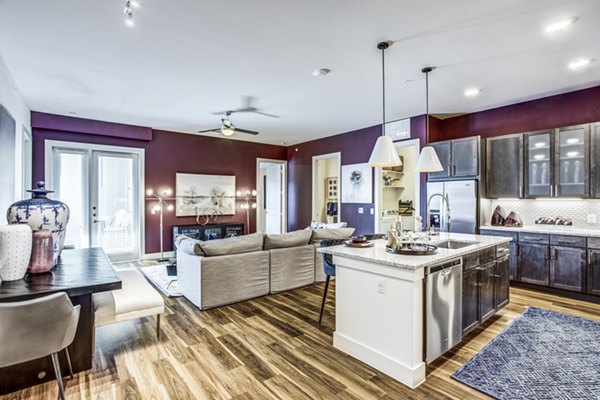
185 59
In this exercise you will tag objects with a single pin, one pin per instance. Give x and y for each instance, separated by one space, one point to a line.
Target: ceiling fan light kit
384 153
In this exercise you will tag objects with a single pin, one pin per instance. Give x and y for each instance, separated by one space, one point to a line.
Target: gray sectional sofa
219 272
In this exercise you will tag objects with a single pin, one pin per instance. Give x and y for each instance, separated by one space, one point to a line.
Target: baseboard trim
156 256
411 377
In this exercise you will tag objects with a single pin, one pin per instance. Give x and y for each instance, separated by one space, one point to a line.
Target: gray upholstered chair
37 328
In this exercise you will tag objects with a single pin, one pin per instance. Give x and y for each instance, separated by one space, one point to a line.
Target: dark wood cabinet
485 290
460 158
487 301
502 181
595 160
444 154
568 268
557 162
593 272
502 282
470 300
465 157
533 263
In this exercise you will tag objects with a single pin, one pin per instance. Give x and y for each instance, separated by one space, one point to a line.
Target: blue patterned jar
40 212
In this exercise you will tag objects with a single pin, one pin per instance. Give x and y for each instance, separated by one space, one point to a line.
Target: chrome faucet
444 200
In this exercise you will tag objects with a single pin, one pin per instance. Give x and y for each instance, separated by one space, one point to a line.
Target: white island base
380 303
379 317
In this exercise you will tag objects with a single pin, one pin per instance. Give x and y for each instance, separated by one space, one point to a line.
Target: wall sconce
161 203
248 201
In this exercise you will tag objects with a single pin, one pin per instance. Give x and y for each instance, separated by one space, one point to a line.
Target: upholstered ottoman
136 299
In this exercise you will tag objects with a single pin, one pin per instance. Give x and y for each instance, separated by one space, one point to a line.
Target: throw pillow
325 234
291 239
234 245
189 245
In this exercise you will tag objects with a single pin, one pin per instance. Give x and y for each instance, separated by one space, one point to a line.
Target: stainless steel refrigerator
464 205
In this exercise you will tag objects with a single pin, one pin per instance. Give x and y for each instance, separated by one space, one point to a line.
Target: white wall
13 101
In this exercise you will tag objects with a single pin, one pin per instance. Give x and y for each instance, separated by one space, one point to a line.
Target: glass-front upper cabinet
572 166
539 171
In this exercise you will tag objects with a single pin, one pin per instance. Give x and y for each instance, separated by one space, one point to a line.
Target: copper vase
42 252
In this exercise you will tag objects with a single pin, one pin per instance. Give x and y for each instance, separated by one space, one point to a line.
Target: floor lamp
248 200
161 203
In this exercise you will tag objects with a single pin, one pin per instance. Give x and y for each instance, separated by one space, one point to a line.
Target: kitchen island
381 302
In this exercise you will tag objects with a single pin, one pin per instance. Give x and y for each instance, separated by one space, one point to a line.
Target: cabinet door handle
551 191
532 239
454 170
495 276
520 191
556 190
567 241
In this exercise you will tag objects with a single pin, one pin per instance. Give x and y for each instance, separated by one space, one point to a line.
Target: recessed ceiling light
321 72
580 63
471 92
560 25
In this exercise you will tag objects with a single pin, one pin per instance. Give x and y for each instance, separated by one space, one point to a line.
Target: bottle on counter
391 235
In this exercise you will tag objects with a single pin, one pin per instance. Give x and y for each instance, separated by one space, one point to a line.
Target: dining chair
37 328
328 268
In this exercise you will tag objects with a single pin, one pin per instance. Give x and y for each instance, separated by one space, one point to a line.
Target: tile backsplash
530 210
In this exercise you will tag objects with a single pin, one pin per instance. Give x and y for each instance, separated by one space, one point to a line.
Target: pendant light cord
427 106
383 89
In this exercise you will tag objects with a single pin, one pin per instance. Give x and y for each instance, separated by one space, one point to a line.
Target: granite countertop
549 229
377 254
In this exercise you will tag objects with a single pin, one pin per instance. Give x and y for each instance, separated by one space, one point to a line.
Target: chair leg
59 380
157 326
69 362
324 298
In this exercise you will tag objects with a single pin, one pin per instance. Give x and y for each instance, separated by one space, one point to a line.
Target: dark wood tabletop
79 272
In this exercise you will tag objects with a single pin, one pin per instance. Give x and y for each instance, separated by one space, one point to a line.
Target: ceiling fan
227 128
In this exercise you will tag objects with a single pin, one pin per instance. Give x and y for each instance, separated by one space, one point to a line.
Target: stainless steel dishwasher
443 308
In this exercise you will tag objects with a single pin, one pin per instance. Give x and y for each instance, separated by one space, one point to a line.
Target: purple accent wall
87 126
582 106
355 147
168 153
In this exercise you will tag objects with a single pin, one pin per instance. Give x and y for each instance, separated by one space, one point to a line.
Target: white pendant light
428 159
384 153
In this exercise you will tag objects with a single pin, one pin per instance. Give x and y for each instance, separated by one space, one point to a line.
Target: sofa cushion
233 245
291 239
325 234
189 245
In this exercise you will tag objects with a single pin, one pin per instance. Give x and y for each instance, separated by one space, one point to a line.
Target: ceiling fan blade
265 114
246 131
225 112
210 130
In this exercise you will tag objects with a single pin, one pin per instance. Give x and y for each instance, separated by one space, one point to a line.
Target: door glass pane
114 223
571 149
70 177
539 165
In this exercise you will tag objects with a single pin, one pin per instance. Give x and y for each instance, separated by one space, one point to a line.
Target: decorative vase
40 212
15 251
42 252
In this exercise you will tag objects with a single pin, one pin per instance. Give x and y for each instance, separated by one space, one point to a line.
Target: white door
102 190
271 186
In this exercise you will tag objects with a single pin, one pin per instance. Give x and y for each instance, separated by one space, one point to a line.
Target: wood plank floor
267 348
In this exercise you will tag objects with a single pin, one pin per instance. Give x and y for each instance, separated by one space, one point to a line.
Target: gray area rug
163 282
543 354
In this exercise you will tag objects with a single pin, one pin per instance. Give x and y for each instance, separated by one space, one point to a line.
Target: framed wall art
357 183
204 195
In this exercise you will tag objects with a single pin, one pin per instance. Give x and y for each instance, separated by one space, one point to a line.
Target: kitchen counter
380 307
377 254
549 229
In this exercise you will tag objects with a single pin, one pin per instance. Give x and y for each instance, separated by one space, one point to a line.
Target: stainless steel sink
453 244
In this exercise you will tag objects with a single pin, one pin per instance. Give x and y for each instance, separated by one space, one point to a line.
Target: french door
101 186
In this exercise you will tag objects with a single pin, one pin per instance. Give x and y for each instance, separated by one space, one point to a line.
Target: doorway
398 188
271 187
102 185
326 199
